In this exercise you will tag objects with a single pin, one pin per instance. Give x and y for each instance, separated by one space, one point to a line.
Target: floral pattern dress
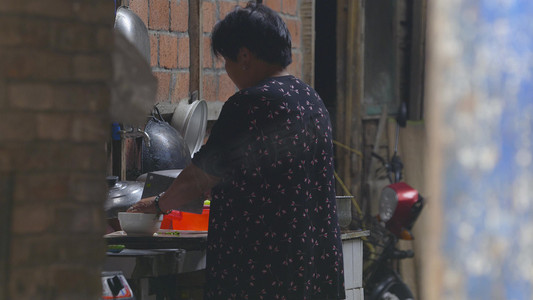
273 231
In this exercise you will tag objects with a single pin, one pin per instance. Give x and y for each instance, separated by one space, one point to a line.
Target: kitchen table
157 265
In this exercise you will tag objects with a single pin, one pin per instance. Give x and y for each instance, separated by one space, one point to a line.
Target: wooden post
195 46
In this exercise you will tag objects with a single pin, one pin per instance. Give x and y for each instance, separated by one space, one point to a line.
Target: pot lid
191 121
134 29
121 195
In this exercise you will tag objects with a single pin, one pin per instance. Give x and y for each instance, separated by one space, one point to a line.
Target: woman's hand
146 205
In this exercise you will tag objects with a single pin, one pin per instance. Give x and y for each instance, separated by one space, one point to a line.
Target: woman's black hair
256 27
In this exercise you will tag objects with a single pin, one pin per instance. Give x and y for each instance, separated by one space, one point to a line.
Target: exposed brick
179 15
60 156
226 87
17 126
53 126
44 186
163 86
30 283
154 49
33 64
290 7
226 7
295 68
31 218
71 36
97 11
207 54
168 51
17 31
159 15
30 96
89 128
294 27
57 8
219 62
73 218
183 52
140 7
41 250
209 87
87 187
81 97
105 38
181 88
275 5
209 16
92 67
76 281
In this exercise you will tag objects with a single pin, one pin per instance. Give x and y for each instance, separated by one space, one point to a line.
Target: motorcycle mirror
401 118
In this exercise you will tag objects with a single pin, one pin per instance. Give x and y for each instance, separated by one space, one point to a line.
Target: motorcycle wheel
391 288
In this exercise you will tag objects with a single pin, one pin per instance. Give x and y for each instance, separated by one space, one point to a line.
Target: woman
273 231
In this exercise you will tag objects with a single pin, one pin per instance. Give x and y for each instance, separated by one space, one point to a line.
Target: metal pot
133 28
167 150
190 119
122 195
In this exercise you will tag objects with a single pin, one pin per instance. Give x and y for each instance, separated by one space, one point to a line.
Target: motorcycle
399 207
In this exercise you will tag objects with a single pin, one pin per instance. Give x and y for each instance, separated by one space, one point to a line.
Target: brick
219 62
56 8
275 5
207 54
179 15
53 126
140 7
17 126
181 88
89 128
209 87
154 49
81 97
17 31
168 51
87 187
98 11
159 15
32 218
30 96
183 52
56 156
44 186
226 87
71 36
92 67
226 7
77 281
30 283
163 86
74 218
6 161
105 38
294 27
295 68
290 7
37 64
209 16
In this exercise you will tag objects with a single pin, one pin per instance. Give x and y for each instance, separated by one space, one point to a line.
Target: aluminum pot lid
191 121
121 195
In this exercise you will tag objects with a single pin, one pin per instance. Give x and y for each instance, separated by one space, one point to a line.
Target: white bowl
139 223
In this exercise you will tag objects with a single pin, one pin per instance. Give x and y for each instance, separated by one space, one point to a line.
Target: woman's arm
190 185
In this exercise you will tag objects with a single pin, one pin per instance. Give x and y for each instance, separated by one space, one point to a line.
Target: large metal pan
134 29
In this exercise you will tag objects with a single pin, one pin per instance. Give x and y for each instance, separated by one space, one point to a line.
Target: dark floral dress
273 230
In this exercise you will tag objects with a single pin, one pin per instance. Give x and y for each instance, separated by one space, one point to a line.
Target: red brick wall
167 22
54 96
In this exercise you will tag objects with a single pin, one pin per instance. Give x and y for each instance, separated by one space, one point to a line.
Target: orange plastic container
179 220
